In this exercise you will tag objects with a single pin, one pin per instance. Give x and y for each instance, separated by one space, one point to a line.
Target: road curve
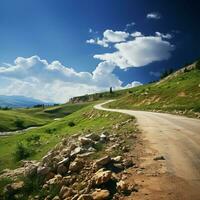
177 138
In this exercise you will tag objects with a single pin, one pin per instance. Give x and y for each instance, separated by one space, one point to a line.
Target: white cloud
136 34
139 52
97 41
109 36
153 15
165 36
115 36
37 78
133 84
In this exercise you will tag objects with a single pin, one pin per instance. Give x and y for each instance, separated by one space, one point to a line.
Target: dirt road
177 138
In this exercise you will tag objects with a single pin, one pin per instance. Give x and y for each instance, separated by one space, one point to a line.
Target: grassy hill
178 93
21 118
85 119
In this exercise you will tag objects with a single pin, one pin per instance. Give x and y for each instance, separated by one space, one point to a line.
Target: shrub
166 73
71 124
21 152
19 123
50 130
198 64
33 139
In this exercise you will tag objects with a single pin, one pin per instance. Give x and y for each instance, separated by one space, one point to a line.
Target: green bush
22 152
19 123
33 139
71 124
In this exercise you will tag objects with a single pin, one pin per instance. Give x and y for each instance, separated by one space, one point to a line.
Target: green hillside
178 93
86 119
16 119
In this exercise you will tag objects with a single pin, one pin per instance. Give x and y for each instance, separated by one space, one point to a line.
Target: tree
166 73
111 91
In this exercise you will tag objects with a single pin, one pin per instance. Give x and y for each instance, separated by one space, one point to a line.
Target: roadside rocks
70 168
76 165
102 162
101 177
42 170
13 188
100 194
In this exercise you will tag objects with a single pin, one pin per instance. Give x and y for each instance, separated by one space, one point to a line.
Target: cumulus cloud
136 34
153 15
133 84
98 41
55 82
165 36
139 52
109 36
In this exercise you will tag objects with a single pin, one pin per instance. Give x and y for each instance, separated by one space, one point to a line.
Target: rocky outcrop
70 168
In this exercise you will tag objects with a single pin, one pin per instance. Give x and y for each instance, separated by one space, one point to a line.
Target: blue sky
49 47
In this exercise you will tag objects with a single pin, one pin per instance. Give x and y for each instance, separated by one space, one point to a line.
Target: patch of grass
20 118
179 92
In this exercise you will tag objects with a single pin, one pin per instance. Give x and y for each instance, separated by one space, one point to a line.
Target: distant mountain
19 101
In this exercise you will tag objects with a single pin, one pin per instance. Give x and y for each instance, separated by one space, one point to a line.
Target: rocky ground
83 166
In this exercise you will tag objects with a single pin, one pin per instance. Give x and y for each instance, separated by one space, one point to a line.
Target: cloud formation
37 78
153 15
109 36
138 52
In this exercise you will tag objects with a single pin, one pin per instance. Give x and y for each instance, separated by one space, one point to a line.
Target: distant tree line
166 73
5 108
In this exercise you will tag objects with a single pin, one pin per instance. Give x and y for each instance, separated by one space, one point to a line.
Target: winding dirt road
177 138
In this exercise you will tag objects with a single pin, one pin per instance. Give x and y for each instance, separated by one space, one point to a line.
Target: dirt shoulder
152 178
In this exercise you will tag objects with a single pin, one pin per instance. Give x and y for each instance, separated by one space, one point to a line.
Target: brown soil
152 178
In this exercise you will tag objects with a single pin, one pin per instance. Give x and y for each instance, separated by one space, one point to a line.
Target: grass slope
178 92
35 116
85 119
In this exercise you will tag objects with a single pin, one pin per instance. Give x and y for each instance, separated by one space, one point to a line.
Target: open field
16 119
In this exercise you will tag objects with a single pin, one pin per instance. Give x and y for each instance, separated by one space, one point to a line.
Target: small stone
86 141
101 177
76 151
100 194
76 165
42 171
122 186
65 192
56 198
65 161
117 159
93 136
62 170
159 158
128 163
85 197
102 161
